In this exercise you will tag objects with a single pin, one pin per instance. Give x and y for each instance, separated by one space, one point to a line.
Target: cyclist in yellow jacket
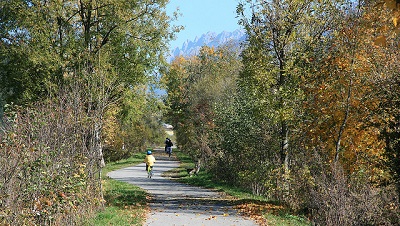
149 160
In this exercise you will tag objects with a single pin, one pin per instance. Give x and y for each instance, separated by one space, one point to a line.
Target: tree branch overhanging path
174 203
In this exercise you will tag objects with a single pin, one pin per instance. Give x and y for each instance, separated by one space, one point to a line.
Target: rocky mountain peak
211 39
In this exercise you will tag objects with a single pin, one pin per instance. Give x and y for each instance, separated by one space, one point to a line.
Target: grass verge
257 207
125 204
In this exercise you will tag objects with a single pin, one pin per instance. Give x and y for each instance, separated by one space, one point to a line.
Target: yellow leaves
342 63
388 32
395 21
383 29
256 211
179 60
208 51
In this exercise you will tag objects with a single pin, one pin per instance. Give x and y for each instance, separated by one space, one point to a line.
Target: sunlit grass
286 220
125 204
134 160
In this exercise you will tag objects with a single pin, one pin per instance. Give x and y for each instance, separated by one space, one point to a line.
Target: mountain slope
211 39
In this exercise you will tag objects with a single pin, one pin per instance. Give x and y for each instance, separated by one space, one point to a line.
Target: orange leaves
396 24
349 72
391 4
256 211
348 69
211 218
42 203
342 63
253 211
387 32
381 41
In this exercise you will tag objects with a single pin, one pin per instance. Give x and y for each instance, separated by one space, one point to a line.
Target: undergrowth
259 208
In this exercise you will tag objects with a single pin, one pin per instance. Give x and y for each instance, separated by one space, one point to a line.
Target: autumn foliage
75 92
313 118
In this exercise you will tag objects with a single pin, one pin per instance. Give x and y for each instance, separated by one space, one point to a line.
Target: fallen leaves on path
211 218
256 211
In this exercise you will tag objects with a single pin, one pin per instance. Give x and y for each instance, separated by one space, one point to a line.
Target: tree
385 31
45 43
133 125
282 37
344 96
195 87
84 57
390 133
108 46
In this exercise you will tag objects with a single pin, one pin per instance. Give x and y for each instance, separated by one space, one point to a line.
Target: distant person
168 146
149 160
166 142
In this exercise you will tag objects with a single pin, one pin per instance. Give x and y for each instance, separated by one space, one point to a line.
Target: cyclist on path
168 146
149 160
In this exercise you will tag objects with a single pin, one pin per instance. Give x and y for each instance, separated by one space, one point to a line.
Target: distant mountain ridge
211 39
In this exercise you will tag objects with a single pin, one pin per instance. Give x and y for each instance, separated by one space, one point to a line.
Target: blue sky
201 16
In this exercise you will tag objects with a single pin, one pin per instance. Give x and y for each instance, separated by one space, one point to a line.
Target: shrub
340 199
49 165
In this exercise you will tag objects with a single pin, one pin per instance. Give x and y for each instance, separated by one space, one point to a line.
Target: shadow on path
174 203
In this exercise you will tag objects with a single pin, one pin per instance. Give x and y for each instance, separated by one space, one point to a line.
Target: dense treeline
307 114
75 91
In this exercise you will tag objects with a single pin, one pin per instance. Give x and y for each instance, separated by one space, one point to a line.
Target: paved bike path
179 204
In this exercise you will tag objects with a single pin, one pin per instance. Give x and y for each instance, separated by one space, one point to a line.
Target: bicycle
149 160
149 171
169 151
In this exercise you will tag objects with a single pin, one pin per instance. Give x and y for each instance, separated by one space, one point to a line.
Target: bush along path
174 203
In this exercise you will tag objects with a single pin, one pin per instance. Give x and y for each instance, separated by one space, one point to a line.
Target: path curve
178 204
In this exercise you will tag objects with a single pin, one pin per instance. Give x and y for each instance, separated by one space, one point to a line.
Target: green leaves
197 88
88 64
59 38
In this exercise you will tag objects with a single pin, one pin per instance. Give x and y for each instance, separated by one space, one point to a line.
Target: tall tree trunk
99 145
344 122
285 146
284 135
